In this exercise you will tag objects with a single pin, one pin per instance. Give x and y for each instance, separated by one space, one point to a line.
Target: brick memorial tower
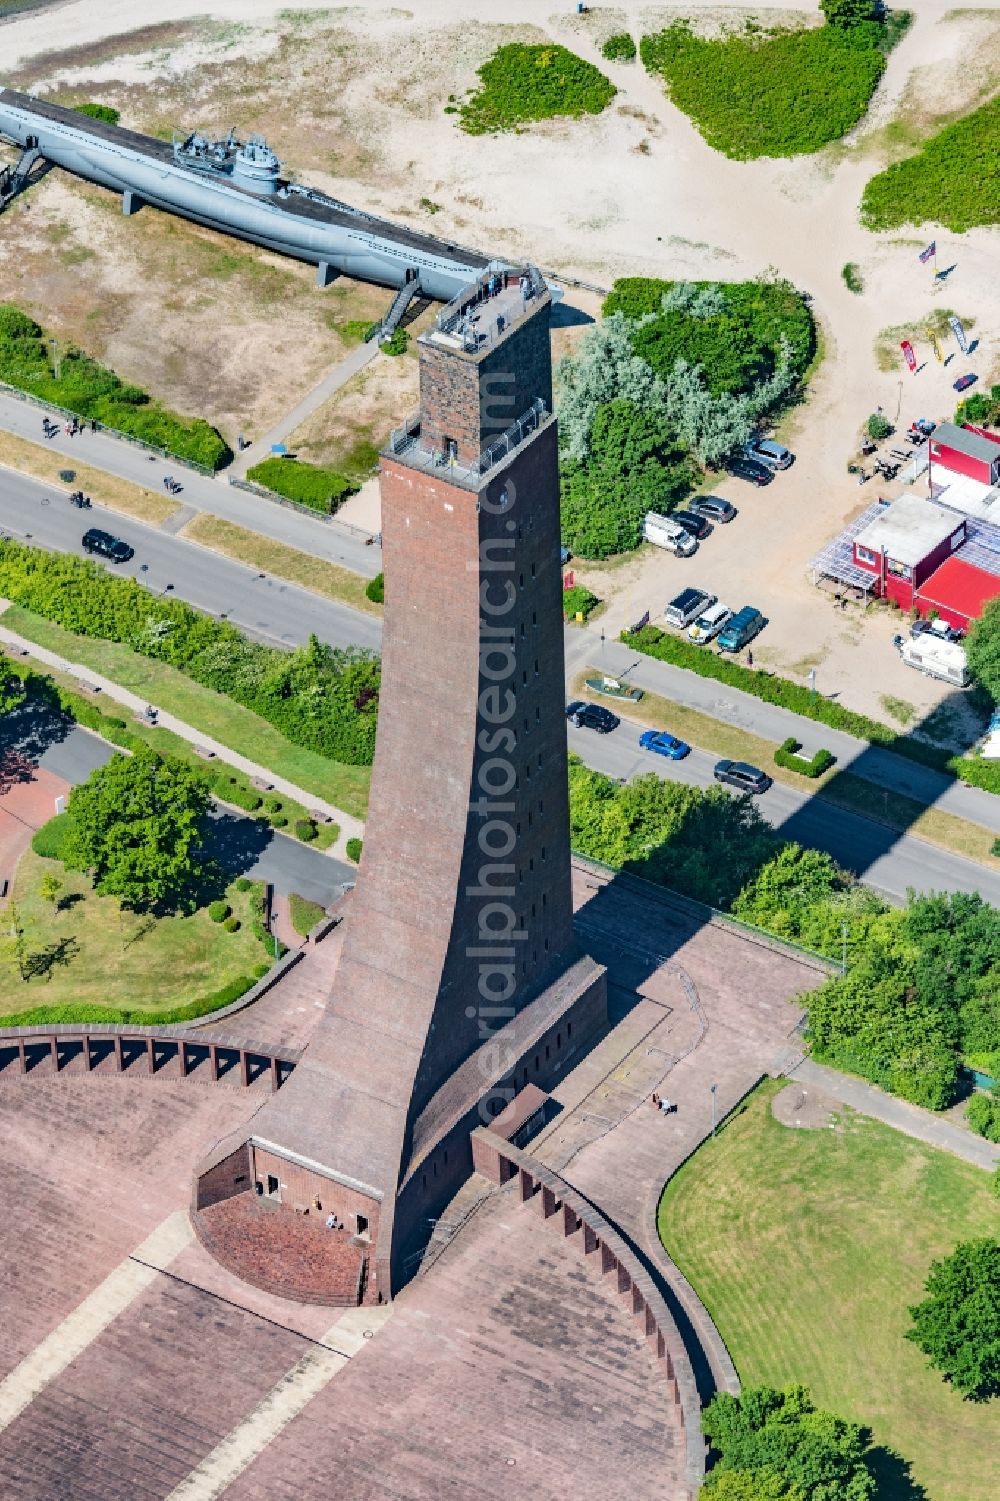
460 979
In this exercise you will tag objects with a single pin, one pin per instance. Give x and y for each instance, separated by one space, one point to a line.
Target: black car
592 717
742 775
696 525
107 546
712 507
749 469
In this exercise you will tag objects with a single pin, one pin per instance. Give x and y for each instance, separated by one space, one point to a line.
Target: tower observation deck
460 979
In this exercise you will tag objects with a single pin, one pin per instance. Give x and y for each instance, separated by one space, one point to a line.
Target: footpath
874 763
899 1114
350 827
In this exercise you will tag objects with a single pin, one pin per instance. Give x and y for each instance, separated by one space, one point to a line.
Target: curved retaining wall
119 1049
577 1218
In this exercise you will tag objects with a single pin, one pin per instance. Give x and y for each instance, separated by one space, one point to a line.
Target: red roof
960 587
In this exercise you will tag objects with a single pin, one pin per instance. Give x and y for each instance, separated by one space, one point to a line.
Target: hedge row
320 698
975 770
46 1016
308 484
787 756
97 393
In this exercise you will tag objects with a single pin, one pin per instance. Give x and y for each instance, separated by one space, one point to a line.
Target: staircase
399 304
14 180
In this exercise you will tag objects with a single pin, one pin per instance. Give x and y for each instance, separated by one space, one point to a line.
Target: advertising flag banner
935 346
931 250
908 355
959 332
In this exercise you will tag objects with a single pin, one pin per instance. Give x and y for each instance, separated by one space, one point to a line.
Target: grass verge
103 957
117 494
304 914
282 561
205 710
807 1247
905 815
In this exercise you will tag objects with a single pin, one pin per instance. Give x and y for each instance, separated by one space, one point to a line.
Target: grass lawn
282 561
215 715
807 1247
107 489
896 811
118 960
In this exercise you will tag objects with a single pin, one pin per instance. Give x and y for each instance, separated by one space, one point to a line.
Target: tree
982 1115
982 649
50 886
879 427
847 13
770 1433
135 826
750 1485
958 1324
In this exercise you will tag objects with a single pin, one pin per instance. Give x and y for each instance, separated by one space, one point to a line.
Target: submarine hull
312 229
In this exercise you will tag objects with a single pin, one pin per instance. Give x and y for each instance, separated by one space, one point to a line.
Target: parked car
742 775
687 606
107 546
766 451
712 507
709 623
964 382
938 629
592 717
664 532
697 525
662 744
741 629
750 469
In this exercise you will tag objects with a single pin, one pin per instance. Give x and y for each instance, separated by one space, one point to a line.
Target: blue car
662 744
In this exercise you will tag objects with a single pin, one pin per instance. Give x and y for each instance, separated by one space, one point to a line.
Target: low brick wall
572 1214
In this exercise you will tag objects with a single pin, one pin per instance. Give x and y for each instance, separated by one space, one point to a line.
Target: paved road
263 606
337 544
888 861
873 763
243 845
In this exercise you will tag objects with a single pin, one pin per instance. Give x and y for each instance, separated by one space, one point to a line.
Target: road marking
90 1318
296 1389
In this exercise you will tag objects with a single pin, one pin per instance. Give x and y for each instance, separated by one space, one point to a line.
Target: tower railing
406 440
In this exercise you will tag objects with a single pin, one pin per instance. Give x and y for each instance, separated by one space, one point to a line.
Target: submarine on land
235 187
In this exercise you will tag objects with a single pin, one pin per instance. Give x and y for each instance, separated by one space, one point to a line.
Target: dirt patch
804 1108
347 432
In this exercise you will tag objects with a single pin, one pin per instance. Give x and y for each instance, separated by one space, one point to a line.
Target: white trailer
939 659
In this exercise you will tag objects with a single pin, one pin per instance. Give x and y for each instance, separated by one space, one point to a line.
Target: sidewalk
874 763
214 495
923 1125
350 828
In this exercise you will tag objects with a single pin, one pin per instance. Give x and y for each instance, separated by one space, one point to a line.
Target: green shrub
375 589
307 484
218 911
578 601
398 342
786 756
304 914
776 95
95 392
354 847
103 112
954 179
982 1115
879 427
523 82
243 883
48 841
273 804
852 278
979 409
619 48
847 13
278 821
232 924
233 789
318 697
305 829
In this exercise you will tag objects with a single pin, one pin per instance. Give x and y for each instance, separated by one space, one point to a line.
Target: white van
939 659
663 532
